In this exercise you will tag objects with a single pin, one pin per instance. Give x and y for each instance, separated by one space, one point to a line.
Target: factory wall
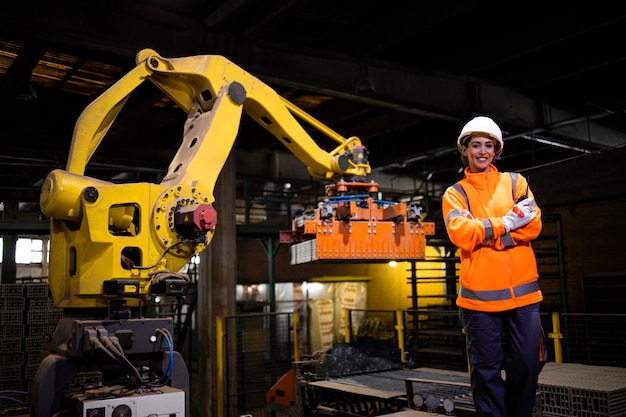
593 245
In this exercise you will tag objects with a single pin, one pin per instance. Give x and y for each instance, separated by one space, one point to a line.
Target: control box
155 402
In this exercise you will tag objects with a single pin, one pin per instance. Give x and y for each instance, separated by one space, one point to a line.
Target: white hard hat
482 124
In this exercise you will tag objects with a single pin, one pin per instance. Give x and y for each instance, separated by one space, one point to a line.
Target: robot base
69 374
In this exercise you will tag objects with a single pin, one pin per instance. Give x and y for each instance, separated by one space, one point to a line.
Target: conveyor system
369 379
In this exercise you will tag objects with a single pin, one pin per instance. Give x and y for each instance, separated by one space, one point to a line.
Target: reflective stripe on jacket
498 269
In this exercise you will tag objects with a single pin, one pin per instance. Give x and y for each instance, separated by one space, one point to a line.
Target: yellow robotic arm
112 240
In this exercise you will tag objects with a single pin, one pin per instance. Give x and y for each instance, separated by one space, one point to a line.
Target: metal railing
259 349
434 337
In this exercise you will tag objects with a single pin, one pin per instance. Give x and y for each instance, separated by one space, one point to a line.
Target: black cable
169 248
120 359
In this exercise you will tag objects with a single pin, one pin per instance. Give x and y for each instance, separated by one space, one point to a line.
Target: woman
492 217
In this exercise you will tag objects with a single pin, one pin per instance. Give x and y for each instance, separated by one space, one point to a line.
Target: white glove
525 207
513 220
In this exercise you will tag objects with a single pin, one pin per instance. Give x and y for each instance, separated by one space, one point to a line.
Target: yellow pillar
219 358
557 336
296 336
400 332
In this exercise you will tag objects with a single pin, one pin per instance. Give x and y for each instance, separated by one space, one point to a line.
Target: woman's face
479 151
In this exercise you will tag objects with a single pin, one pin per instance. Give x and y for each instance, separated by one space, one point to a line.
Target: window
29 251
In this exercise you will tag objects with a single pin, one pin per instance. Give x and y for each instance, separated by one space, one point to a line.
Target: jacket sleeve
464 231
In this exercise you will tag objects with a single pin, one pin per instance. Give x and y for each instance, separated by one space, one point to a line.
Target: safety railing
434 337
255 350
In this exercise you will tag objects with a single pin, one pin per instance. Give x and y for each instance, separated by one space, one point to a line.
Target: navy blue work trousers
508 341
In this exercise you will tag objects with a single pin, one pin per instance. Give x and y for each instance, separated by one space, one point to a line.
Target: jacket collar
483 180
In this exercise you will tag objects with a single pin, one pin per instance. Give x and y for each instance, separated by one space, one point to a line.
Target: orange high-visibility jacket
498 269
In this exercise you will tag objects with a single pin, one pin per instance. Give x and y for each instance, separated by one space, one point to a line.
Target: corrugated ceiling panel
74 75
8 54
